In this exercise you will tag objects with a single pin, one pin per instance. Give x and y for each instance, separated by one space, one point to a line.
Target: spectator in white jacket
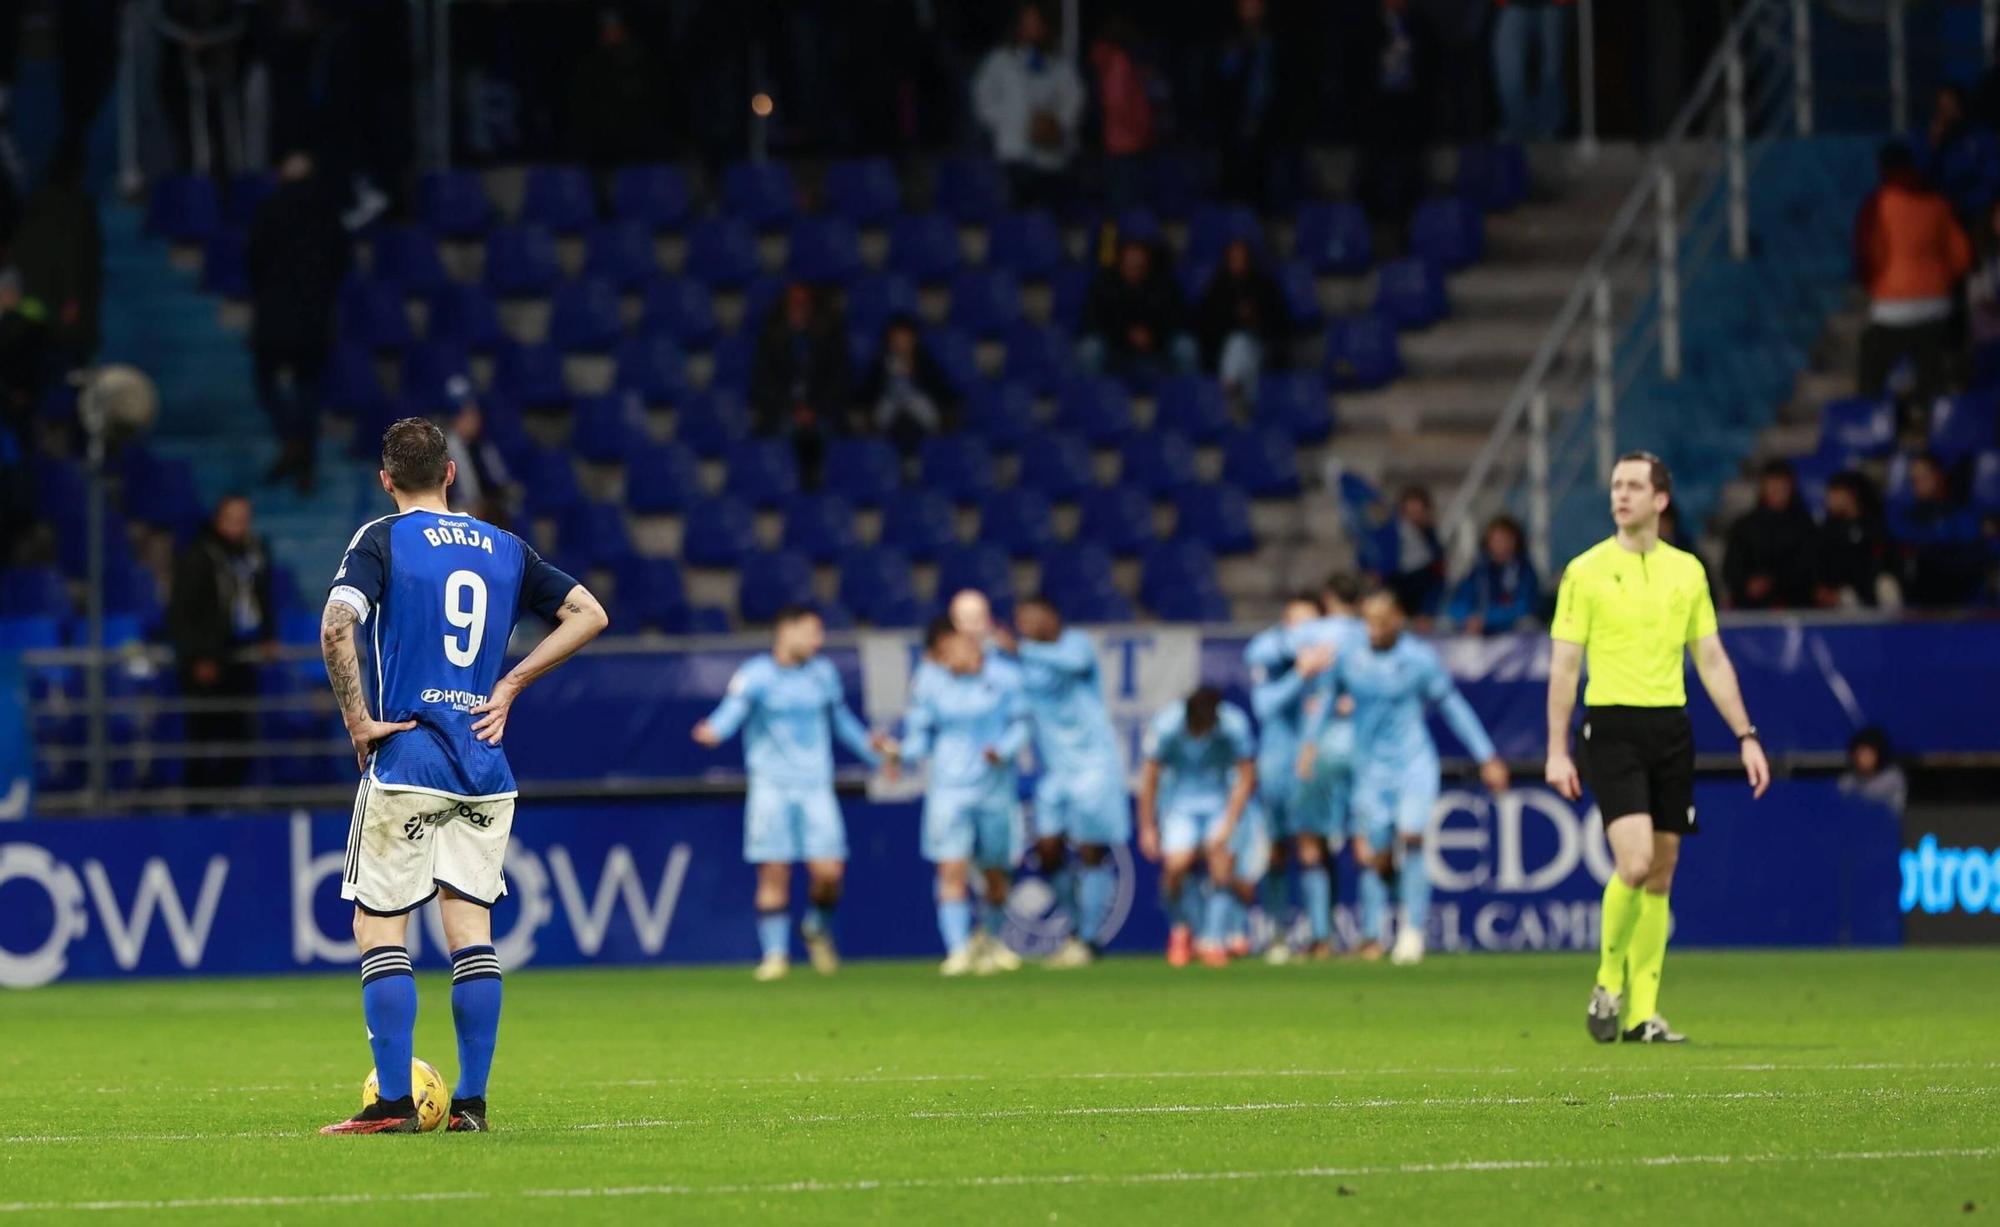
1030 100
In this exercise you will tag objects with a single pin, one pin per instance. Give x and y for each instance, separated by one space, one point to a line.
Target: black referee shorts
1640 760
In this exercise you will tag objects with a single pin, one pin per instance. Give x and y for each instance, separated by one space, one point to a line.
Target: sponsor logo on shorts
460 700
418 825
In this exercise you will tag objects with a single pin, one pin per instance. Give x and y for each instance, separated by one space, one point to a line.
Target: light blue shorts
784 824
1189 830
1322 805
1395 801
982 827
1084 809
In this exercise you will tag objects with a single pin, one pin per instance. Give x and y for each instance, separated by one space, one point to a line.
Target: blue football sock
954 923
992 917
389 1004
1094 893
475 1011
1063 884
1221 906
774 933
1316 884
819 919
1374 893
1416 886
1274 893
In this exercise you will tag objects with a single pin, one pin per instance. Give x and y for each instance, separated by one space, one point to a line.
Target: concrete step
1412 405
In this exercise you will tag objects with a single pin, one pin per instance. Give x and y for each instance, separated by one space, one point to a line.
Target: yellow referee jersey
1634 614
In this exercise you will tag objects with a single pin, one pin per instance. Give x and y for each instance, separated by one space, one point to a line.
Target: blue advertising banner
665 883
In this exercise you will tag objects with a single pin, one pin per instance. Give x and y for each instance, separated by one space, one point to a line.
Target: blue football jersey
438 595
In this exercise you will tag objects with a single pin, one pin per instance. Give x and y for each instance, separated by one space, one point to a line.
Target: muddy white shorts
402 846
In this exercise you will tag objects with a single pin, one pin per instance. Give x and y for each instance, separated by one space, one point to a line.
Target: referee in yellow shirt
1629 605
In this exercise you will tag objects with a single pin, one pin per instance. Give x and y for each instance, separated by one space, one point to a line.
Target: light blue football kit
972 807
1081 795
1196 777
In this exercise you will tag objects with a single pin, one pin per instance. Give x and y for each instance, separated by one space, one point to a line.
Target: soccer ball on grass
426 1088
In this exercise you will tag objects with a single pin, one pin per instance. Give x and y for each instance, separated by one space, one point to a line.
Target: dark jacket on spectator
1941 554
1116 306
221 598
1778 544
1501 595
802 379
61 257
297 256
1252 303
881 410
1850 555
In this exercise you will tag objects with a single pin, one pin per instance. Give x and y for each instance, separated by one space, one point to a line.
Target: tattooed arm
343 669
579 619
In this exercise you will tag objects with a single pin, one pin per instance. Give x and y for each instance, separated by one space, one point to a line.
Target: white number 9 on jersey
468 615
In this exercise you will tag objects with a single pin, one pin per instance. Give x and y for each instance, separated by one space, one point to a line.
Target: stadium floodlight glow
761 105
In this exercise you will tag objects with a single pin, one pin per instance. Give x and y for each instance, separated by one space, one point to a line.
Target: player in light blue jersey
1080 801
1197 801
1281 680
1394 680
969 719
789 705
1325 766
440 594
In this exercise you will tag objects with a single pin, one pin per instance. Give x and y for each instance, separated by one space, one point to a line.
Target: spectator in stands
1537 29
24 346
485 488
1982 288
220 607
1249 110
1768 563
1938 540
616 98
1125 105
1241 318
1851 549
60 253
1395 91
1419 578
1872 773
201 80
1909 254
296 257
801 385
1502 592
1030 101
1955 156
1132 319
906 396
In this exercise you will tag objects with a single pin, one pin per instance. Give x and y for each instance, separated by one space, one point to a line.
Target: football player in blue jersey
440 594
1296 811
789 705
1197 803
1325 767
1395 679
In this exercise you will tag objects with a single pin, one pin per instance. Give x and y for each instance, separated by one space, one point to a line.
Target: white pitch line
1456 1167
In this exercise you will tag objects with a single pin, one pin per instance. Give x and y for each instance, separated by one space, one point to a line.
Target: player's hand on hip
1757 767
1561 776
492 723
1493 774
367 734
706 735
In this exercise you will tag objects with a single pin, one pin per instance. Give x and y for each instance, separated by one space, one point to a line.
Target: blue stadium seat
1038 357
33 592
1263 462
825 250
723 251
1069 290
867 471
876 584
466 314
1072 571
876 298
1096 408
164 494
1216 226
1176 182
924 247
820 526
548 480
660 478
762 472
711 420
1193 605
951 349
583 318
760 193
971 189
40 632
984 301
1493 177
62 489
681 308
920 522
372 313
521 262
1858 426
1060 466
407 256
247 193
1333 237
1002 412
656 196
184 209
1218 516
1174 567
73 545
621 253
719 532
863 347
1449 231
428 367
603 427
1962 425
708 620
865 191
1029 245
980 567
453 203
504 425
1296 283
559 198
773 579
1017 520
1119 518
532 375
652 366
1158 462
1296 402
1362 352
1411 293
735 354
1192 405
371 420
652 594
1986 482
960 465
1101 607
225 265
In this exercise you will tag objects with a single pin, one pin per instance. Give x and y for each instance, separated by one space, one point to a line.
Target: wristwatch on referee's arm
1749 734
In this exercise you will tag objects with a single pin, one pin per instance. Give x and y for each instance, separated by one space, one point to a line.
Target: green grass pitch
1820 1088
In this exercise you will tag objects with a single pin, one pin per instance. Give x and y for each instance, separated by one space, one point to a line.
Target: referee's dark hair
414 455
1202 708
1663 481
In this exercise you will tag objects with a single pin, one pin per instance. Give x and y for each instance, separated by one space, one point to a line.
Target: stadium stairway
193 346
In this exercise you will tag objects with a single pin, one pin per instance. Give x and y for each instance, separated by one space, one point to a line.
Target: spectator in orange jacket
1126 105
1909 253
